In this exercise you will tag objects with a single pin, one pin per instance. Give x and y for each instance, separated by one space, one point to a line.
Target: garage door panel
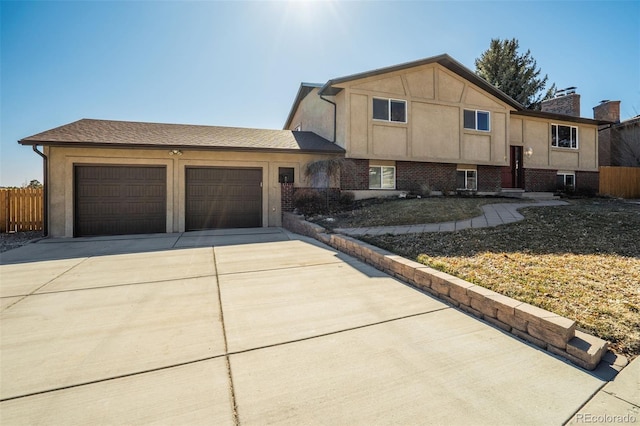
115 200
223 198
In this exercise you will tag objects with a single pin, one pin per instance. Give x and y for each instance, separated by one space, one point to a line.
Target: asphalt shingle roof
89 132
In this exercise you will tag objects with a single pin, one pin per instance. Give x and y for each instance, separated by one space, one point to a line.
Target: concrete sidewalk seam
331 333
121 376
116 285
234 404
276 269
48 282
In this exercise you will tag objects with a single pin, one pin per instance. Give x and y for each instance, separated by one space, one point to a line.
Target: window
566 179
382 177
467 179
285 174
477 120
564 136
390 110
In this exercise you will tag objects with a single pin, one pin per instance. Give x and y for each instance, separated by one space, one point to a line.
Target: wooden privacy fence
21 209
620 181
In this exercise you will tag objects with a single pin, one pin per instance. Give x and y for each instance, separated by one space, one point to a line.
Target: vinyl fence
21 209
621 182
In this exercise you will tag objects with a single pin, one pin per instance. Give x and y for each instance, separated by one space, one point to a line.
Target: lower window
382 177
566 179
467 179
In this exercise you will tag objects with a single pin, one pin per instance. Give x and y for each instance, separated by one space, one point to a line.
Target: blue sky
240 63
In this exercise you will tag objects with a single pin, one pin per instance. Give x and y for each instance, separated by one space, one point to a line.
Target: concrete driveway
253 326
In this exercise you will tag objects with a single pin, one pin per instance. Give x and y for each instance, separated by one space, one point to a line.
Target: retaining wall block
547 335
458 290
422 277
573 359
479 301
402 266
529 338
588 348
504 326
538 317
512 320
440 282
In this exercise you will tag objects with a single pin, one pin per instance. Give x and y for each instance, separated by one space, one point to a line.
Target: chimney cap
604 101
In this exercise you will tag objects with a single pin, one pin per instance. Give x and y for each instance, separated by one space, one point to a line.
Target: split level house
431 123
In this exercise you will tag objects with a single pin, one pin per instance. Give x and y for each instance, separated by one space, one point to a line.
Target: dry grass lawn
581 261
410 211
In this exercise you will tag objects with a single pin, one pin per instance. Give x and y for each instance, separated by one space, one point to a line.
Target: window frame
554 143
389 102
564 178
381 167
475 120
466 179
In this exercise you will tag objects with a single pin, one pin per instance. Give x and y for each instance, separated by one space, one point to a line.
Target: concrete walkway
493 215
261 327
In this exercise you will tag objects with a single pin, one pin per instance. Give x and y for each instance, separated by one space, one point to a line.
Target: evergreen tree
513 73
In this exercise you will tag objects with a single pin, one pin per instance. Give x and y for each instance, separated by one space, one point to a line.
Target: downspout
335 115
45 191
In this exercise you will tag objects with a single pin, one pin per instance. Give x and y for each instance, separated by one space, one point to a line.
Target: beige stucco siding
314 115
535 133
436 99
61 185
436 131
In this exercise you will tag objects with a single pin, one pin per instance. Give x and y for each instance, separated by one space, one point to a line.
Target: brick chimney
607 111
566 102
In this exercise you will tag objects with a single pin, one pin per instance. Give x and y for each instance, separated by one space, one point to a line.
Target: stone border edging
542 328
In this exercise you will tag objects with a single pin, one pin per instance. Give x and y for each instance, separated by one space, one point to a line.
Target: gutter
45 191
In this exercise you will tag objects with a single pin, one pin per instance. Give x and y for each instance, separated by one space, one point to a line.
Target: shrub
309 201
346 200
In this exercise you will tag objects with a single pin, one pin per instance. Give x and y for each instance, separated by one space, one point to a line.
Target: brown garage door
116 200
219 197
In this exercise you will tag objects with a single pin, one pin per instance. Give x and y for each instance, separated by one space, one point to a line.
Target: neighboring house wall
61 180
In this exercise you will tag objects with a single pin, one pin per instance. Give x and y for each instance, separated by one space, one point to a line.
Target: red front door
513 174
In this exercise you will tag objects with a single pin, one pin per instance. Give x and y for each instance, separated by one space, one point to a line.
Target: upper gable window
477 120
390 110
564 136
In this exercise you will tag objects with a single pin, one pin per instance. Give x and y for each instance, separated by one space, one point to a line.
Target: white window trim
476 111
389 100
465 179
570 127
564 177
381 174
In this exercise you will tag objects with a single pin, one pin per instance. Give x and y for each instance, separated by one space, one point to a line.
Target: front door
513 175
517 172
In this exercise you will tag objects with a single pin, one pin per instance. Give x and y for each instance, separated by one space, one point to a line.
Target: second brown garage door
218 197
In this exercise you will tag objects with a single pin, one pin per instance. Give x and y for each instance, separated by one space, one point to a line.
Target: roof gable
444 60
90 132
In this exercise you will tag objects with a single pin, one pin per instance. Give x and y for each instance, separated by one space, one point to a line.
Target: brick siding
410 175
439 176
286 197
356 178
540 180
489 178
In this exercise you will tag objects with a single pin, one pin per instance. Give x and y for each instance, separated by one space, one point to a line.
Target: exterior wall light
528 152
175 152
